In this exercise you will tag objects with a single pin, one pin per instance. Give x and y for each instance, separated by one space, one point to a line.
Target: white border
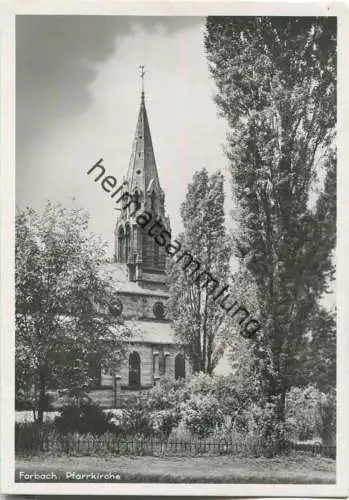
7 242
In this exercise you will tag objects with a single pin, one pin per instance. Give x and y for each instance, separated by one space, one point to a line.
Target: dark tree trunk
42 399
281 406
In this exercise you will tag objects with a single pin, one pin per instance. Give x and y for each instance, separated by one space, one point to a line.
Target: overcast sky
78 95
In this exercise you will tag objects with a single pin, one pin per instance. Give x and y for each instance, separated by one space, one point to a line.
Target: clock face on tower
115 307
159 310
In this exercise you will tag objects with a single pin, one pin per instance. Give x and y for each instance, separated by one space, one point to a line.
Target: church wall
105 396
146 352
139 306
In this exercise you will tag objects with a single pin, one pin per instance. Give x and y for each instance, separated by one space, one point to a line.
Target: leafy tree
327 418
198 321
302 411
312 413
276 86
320 351
61 304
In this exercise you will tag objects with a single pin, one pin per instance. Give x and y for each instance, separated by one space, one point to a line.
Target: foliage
327 418
202 414
198 321
60 304
276 86
24 400
139 422
178 398
320 351
84 418
169 393
302 411
312 413
201 383
119 418
164 421
197 413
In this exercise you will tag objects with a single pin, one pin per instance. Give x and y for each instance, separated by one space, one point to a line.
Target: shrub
261 429
138 422
201 383
180 434
167 394
119 419
162 422
84 418
326 422
311 413
30 436
201 414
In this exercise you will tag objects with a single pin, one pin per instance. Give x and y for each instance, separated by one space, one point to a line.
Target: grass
297 468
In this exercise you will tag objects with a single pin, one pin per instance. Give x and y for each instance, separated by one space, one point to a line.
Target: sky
77 99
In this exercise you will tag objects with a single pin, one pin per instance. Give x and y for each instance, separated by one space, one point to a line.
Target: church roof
117 272
142 171
152 332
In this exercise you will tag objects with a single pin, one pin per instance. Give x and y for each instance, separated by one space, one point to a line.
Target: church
138 273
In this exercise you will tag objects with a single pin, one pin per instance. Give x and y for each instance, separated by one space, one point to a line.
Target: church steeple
142 171
146 260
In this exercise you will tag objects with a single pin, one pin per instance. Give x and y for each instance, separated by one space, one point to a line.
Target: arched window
127 243
134 370
179 366
121 245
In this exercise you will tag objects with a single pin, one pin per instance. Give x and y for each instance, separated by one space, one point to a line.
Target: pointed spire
142 171
148 260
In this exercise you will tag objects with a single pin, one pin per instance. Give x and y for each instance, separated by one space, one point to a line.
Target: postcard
173 250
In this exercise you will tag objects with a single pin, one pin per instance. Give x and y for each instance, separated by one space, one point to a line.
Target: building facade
139 279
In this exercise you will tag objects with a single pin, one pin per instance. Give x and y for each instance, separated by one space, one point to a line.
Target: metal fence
315 449
109 444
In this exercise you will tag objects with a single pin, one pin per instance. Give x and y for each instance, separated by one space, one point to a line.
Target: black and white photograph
174 252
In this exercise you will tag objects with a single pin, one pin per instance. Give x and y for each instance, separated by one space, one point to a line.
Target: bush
326 422
202 414
139 420
162 422
85 418
168 394
261 429
311 413
120 420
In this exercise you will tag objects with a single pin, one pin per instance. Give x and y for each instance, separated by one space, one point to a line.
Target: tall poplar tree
276 86
199 321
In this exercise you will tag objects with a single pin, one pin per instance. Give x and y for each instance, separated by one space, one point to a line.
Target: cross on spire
142 76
